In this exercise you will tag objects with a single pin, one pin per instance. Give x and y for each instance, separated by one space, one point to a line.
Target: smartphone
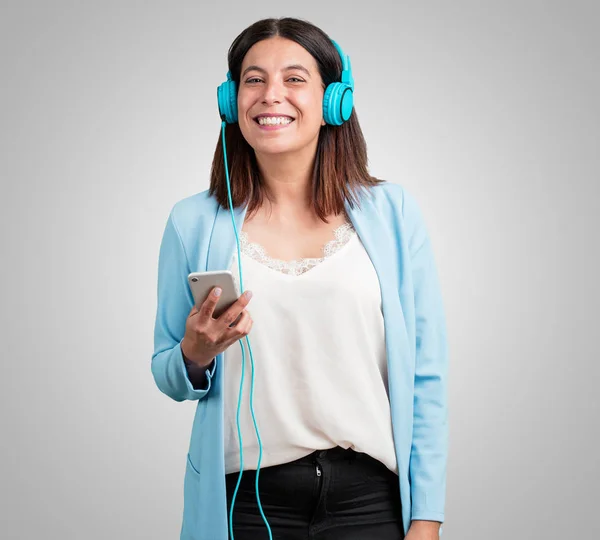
201 284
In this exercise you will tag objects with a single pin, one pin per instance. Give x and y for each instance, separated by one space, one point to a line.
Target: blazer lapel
223 241
373 233
379 242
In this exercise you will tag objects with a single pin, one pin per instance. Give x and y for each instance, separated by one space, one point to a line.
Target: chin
273 148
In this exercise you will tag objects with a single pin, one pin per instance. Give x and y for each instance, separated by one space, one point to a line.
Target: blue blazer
199 236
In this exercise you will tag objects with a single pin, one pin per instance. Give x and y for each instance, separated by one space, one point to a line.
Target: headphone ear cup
227 101
327 104
338 102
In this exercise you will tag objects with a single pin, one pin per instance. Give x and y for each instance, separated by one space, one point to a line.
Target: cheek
311 107
242 106
243 119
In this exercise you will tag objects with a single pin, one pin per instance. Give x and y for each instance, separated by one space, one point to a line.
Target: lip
271 115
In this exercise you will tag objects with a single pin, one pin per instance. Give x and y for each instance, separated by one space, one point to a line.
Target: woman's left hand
423 530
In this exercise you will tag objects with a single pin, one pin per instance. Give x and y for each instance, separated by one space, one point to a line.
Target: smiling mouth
273 121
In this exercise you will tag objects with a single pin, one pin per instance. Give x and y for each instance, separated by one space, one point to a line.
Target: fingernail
217 291
248 294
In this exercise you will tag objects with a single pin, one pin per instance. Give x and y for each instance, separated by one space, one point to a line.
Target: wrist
422 524
188 357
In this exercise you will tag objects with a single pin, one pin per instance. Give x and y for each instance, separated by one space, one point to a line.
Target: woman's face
280 78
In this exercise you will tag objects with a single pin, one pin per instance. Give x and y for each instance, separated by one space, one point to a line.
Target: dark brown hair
341 158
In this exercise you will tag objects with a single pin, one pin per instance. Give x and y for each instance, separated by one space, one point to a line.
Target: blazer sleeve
174 303
429 446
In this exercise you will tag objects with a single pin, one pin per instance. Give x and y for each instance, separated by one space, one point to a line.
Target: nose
273 92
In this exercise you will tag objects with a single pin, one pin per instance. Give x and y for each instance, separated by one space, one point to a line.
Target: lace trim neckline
254 250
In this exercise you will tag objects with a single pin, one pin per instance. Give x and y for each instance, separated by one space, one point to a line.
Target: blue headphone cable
242 377
338 103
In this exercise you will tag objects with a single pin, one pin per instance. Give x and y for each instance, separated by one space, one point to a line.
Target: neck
288 180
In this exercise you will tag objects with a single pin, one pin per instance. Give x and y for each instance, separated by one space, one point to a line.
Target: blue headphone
338 100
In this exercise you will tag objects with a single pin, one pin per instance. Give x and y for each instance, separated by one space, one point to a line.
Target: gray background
487 111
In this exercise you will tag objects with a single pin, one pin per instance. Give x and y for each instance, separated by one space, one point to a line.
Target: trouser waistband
335 453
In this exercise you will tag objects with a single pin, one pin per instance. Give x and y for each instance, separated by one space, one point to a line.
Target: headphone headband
346 66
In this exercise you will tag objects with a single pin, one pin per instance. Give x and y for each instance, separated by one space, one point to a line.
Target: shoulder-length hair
340 167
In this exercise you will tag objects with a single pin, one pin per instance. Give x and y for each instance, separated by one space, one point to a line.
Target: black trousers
328 495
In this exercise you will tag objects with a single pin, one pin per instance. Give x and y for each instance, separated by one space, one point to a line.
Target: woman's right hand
206 337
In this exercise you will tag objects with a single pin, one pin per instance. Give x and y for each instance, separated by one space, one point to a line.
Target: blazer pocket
191 501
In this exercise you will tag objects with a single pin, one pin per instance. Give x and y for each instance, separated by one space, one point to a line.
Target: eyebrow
287 68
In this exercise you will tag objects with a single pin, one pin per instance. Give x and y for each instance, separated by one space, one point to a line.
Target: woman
350 338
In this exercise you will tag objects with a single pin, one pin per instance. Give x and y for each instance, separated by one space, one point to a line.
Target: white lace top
342 235
318 344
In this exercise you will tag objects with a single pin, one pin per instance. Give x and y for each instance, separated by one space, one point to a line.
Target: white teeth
273 120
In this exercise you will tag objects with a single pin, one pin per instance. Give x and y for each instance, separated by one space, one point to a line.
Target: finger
235 325
241 328
236 322
241 321
194 311
231 314
208 306
247 326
